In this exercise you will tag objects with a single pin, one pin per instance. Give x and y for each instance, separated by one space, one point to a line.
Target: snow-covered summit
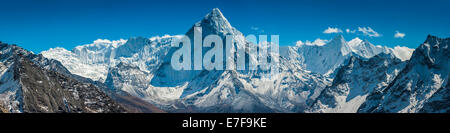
324 59
215 22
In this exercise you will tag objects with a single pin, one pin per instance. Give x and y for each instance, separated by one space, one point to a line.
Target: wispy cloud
399 34
331 30
318 42
350 31
368 31
108 42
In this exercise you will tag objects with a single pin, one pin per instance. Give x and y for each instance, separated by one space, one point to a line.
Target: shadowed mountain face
134 104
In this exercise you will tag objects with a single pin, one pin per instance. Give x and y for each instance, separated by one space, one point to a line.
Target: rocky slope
31 83
3 109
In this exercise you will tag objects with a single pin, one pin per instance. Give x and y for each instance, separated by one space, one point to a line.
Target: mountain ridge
424 75
355 80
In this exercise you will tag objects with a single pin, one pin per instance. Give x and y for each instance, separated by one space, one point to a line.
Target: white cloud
398 34
99 41
368 32
318 42
114 43
350 31
331 30
299 43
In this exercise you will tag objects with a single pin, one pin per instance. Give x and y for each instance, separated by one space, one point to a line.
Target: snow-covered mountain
32 83
366 49
94 60
422 86
339 76
219 90
386 84
355 81
91 61
324 59
141 67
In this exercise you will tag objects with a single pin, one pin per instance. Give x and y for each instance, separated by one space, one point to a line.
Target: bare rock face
134 104
3 109
47 91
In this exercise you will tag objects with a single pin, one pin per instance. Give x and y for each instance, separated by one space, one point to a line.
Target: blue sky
38 25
